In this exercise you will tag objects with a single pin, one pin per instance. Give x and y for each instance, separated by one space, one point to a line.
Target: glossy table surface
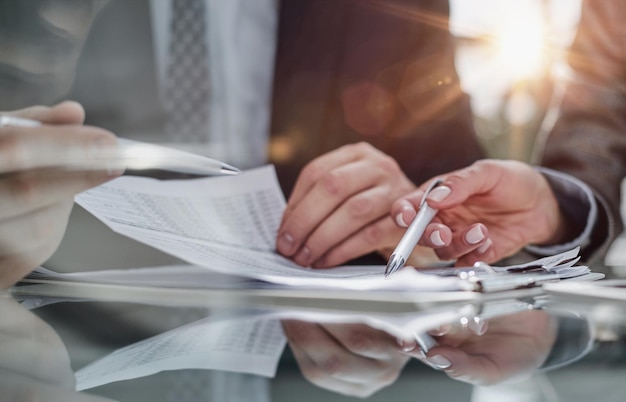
58 330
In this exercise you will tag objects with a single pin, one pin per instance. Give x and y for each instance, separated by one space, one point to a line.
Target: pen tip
229 170
395 263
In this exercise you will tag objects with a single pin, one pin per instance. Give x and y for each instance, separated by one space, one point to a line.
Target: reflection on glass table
117 349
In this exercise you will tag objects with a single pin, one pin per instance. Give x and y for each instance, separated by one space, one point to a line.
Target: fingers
28 240
473 240
338 204
67 112
475 369
25 148
364 341
319 167
32 190
338 196
466 247
353 360
474 180
461 330
33 230
16 266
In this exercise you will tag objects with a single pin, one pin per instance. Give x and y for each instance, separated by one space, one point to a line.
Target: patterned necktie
187 84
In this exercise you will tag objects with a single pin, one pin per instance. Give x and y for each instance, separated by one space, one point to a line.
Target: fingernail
285 244
435 239
304 256
439 362
439 193
474 235
478 325
406 345
439 331
485 246
400 221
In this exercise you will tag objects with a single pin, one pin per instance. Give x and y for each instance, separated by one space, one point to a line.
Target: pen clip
430 188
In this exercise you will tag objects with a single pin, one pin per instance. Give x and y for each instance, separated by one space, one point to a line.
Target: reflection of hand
350 359
34 364
487 211
35 203
339 209
512 346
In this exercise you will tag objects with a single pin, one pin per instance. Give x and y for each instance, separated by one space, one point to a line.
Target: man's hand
350 359
339 209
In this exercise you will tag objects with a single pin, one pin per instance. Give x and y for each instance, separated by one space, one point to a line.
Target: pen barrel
415 231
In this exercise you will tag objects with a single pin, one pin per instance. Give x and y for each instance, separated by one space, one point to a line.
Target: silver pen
425 341
413 234
137 155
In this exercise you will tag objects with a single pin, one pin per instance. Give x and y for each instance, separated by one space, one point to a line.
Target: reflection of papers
239 344
227 224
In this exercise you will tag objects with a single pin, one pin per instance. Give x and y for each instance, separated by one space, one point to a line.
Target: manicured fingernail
484 247
400 221
285 244
440 330
478 325
439 362
436 240
304 257
474 235
439 193
406 345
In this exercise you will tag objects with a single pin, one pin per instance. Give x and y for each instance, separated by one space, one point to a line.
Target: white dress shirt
241 37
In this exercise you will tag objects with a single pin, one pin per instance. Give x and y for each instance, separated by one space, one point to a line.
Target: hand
487 211
350 359
35 201
339 209
512 346
34 363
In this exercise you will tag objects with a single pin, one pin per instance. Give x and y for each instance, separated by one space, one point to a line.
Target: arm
586 149
588 139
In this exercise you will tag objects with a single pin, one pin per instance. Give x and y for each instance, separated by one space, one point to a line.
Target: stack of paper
229 225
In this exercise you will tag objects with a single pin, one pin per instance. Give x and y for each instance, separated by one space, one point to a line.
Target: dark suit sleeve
380 71
588 139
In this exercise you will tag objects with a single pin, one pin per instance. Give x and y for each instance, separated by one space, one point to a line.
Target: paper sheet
227 224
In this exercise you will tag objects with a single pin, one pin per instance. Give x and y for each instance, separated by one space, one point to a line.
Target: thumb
475 180
68 112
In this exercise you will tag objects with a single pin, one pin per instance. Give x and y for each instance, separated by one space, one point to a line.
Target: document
229 225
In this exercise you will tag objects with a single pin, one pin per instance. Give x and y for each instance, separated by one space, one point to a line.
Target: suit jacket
345 71
588 140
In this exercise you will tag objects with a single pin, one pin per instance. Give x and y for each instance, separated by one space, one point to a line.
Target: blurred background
507 59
